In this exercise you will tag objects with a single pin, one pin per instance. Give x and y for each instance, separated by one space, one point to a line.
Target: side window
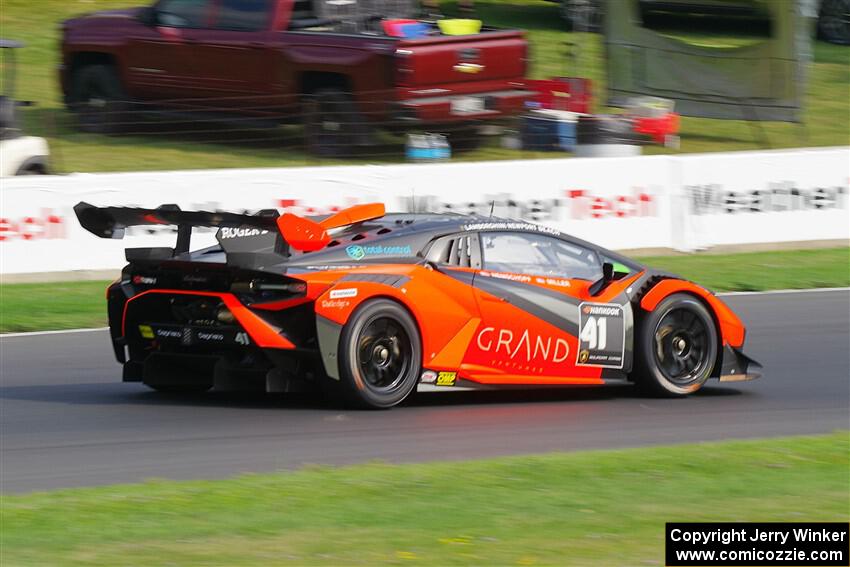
243 15
529 253
461 250
182 13
620 270
303 10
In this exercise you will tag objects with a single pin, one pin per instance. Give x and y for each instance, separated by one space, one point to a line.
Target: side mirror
600 284
147 16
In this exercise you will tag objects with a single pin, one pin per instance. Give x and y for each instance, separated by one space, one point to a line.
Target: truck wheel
465 138
834 21
333 126
676 347
32 171
98 99
179 388
380 355
33 166
582 15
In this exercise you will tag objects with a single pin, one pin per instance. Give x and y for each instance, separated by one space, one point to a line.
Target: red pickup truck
279 59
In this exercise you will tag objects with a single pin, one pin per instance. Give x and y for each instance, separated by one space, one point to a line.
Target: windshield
361 10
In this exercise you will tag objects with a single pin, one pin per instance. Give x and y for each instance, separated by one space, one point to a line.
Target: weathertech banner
761 197
685 202
768 543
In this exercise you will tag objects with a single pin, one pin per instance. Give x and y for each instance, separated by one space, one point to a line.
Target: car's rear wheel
676 348
98 99
380 355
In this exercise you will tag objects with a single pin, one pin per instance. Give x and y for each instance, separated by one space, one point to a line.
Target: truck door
160 61
233 57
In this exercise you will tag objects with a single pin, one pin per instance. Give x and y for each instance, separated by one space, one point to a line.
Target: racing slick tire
676 348
98 99
380 355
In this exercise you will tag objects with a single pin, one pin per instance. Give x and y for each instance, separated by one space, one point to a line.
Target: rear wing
267 232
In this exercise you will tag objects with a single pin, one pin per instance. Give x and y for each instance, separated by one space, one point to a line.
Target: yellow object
146 331
459 27
446 378
468 68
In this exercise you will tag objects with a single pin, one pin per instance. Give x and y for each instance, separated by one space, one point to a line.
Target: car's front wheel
676 347
380 355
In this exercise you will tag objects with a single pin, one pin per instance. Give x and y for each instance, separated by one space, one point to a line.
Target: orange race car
368 305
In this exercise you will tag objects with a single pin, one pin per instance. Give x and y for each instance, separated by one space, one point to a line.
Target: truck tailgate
462 59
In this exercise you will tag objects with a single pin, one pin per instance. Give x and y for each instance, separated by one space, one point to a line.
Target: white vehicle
19 154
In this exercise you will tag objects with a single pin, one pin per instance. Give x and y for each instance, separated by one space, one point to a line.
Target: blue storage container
549 131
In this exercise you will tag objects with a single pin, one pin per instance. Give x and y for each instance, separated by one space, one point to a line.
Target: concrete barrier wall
680 202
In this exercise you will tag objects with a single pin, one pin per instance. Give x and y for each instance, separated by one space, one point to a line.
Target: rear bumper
450 108
137 311
738 367
258 370
157 337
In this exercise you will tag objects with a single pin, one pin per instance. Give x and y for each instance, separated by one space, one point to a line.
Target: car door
160 60
531 290
234 56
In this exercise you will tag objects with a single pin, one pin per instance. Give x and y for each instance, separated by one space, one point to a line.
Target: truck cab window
182 13
529 253
243 15
303 10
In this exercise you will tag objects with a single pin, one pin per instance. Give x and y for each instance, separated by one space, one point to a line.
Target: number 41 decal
594 333
602 336
242 338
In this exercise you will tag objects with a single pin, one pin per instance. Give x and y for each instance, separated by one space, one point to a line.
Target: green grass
47 306
827 114
44 306
599 508
757 271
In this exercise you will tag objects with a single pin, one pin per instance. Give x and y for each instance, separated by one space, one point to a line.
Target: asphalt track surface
67 420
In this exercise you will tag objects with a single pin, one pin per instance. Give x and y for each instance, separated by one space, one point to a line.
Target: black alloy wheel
380 355
681 343
383 354
676 348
